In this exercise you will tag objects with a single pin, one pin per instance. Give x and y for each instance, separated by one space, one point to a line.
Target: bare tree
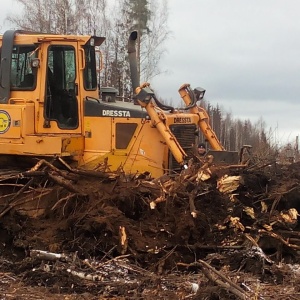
152 49
138 14
153 33
149 18
52 16
62 16
100 17
37 15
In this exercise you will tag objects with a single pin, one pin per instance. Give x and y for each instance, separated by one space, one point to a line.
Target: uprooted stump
241 218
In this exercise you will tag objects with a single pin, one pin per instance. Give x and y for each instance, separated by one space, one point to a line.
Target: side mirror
35 63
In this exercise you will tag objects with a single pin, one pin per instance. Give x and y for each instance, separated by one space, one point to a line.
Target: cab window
23 76
90 74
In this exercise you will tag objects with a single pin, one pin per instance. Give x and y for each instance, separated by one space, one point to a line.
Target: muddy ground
212 232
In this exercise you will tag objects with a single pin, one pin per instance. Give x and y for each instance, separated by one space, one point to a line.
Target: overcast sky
245 53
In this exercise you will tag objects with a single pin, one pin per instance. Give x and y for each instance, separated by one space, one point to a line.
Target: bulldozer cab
46 70
56 88
44 79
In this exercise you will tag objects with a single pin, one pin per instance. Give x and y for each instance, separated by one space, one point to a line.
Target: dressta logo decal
182 120
5 121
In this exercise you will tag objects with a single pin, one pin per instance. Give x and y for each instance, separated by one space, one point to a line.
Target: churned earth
209 232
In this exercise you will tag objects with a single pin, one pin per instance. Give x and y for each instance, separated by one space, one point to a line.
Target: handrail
13 100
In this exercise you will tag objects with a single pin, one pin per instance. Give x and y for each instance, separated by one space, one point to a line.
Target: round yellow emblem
5 121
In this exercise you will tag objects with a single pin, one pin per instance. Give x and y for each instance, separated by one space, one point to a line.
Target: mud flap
228 157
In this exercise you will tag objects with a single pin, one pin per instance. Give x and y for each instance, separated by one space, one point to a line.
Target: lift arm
203 118
144 97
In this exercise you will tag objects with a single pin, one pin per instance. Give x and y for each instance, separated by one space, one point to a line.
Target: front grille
186 136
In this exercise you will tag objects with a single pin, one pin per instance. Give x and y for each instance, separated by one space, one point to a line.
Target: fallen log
68 185
91 173
46 255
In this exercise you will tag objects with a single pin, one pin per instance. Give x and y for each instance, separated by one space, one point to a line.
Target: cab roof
31 37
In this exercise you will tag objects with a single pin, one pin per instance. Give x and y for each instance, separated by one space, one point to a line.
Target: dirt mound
226 232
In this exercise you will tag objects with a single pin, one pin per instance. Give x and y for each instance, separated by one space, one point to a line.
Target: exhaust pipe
133 60
143 93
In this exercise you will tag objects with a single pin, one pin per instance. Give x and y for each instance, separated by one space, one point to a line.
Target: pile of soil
209 232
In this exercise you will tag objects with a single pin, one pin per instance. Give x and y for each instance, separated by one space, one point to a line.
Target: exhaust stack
133 60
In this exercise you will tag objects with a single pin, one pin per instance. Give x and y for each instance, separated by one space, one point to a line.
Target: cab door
60 110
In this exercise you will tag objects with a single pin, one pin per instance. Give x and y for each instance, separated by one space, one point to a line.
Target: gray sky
245 53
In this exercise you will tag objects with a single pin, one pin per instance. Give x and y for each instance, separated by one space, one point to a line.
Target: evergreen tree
139 15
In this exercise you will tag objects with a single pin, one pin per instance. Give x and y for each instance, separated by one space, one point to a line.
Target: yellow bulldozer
50 106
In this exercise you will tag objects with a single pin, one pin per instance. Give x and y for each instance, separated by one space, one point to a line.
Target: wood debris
241 218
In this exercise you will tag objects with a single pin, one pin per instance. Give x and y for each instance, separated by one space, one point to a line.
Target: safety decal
5 121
